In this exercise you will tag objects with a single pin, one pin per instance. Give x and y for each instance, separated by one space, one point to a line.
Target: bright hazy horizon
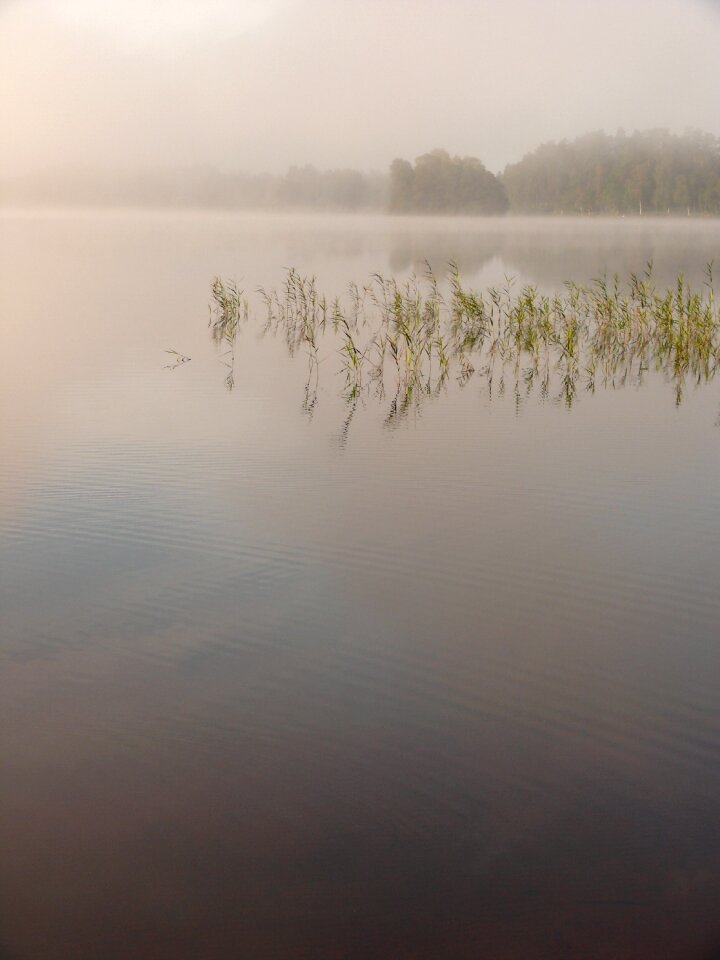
257 86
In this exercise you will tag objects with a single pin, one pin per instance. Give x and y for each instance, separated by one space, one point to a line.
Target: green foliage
412 336
645 172
650 172
228 310
439 183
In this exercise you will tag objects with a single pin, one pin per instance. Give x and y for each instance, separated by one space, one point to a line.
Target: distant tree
330 189
402 179
650 172
439 183
347 189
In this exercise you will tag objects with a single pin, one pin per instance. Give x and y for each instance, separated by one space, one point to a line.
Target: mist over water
259 86
306 655
291 685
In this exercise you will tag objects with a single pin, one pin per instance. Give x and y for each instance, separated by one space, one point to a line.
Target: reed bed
408 337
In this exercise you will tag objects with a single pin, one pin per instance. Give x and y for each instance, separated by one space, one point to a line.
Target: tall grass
407 337
228 311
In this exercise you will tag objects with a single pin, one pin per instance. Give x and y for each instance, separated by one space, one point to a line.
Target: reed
228 310
406 338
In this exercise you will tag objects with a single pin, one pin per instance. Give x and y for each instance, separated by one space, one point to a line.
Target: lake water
345 686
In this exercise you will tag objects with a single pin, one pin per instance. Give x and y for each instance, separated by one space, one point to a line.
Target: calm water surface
281 686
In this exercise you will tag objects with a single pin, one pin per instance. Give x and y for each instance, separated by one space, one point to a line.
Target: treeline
651 172
439 183
331 189
203 186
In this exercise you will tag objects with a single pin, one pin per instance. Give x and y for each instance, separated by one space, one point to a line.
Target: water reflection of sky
449 688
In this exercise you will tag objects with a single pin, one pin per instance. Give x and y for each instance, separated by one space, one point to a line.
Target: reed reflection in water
447 689
410 336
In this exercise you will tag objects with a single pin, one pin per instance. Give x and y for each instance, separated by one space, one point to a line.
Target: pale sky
260 84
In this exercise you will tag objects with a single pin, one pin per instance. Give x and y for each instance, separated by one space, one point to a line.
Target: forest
202 186
650 172
646 172
439 183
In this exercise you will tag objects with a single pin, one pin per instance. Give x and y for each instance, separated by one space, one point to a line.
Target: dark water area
286 686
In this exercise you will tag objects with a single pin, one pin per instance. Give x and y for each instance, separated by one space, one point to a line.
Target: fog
256 85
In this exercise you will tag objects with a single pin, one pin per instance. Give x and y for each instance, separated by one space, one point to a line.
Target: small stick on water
180 358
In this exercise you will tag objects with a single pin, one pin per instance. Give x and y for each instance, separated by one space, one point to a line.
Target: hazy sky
260 84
